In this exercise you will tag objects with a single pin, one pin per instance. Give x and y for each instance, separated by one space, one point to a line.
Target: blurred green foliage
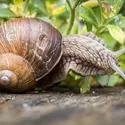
106 18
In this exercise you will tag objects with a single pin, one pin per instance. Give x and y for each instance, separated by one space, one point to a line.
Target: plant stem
72 16
100 30
69 4
71 22
76 4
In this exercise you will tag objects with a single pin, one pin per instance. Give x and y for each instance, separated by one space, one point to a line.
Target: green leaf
122 11
52 1
84 86
90 3
58 11
18 2
98 14
41 5
116 33
37 7
110 42
117 4
75 75
3 6
6 1
88 15
119 21
102 80
6 13
88 26
113 81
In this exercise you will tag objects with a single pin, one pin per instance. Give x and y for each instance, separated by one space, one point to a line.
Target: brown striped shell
33 42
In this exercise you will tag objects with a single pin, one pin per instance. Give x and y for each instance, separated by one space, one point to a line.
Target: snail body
31 49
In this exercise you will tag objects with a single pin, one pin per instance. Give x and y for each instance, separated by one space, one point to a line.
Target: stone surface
103 106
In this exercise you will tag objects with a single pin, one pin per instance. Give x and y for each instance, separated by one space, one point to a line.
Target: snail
32 49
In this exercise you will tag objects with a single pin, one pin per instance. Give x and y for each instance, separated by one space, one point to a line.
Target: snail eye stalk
120 52
117 69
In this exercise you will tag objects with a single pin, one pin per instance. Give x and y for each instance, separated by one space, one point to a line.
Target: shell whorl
16 74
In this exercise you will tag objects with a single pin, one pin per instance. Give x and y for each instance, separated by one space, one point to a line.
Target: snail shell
29 49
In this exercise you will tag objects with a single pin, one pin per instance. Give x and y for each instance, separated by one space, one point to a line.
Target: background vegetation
106 18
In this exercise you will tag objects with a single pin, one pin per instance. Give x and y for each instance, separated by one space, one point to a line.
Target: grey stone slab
103 106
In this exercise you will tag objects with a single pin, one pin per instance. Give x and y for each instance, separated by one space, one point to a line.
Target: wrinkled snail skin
29 49
85 54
